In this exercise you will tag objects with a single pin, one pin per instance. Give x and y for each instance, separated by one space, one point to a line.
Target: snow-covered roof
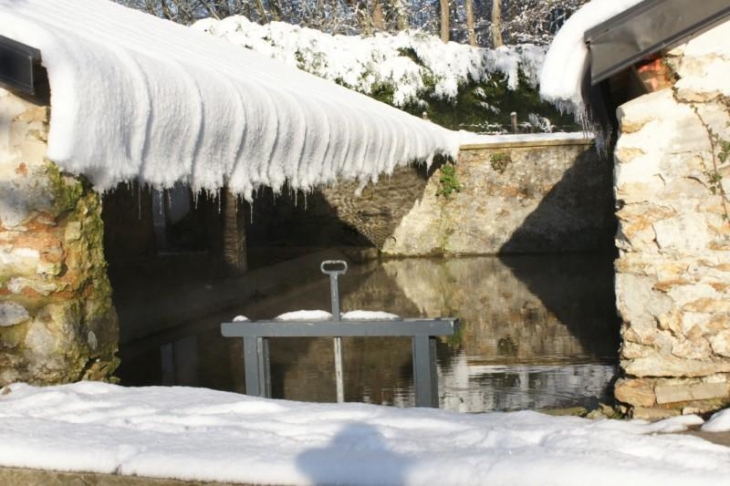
567 59
137 97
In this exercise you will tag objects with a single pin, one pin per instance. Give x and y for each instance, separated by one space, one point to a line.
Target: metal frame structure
647 28
256 334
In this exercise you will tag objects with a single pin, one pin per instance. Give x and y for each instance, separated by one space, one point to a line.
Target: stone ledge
41 477
526 144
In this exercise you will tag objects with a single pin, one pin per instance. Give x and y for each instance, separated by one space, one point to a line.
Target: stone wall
519 197
672 182
57 323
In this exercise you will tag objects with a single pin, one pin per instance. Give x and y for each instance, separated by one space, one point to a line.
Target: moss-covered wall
57 322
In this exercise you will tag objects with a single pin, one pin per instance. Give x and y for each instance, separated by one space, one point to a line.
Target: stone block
701 82
695 348
635 114
670 366
12 314
708 305
686 233
686 393
72 231
720 343
639 393
18 285
652 414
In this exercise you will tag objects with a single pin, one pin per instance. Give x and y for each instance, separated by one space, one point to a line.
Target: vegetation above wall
454 85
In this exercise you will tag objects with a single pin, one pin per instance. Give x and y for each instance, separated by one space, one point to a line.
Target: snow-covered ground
208 435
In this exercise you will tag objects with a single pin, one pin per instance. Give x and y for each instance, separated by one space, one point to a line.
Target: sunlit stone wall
57 323
535 196
673 275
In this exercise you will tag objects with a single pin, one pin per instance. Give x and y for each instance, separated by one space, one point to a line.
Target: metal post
424 371
330 267
256 362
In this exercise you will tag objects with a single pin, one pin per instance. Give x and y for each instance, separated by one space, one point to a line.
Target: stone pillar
234 235
57 322
672 181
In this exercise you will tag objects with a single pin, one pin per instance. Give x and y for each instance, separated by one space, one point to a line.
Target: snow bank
719 422
566 60
383 61
200 434
137 97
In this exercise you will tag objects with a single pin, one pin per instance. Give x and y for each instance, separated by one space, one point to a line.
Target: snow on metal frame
137 97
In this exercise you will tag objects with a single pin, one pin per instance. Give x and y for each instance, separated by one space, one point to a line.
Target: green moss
500 160
448 181
66 192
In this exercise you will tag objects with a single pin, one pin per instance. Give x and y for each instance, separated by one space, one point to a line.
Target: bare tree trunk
275 9
234 235
444 4
470 23
262 11
378 17
401 15
497 23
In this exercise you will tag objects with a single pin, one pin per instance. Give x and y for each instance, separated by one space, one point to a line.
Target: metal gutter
647 28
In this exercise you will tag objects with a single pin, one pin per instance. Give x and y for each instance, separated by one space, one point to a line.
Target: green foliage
715 180
487 106
66 192
500 160
448 181
724 149
720 152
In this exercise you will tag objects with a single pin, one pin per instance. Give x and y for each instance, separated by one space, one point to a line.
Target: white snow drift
201 434
137 97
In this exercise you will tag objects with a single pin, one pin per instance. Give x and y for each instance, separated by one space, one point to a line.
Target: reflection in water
537 332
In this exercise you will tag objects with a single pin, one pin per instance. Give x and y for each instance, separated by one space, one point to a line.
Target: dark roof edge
716 15
19 66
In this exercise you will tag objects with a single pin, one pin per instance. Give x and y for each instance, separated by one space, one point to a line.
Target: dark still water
536 332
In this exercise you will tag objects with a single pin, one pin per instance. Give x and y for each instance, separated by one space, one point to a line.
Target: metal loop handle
333 263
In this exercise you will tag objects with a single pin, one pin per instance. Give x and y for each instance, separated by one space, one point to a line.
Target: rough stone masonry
57 322
672 181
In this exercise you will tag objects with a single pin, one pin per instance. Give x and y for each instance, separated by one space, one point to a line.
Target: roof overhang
647 28
19 66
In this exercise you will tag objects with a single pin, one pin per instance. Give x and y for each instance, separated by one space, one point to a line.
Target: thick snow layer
566 60
200 434
363 315
382 60
134 96
719 422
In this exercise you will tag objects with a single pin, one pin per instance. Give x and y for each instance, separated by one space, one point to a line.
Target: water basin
536 332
